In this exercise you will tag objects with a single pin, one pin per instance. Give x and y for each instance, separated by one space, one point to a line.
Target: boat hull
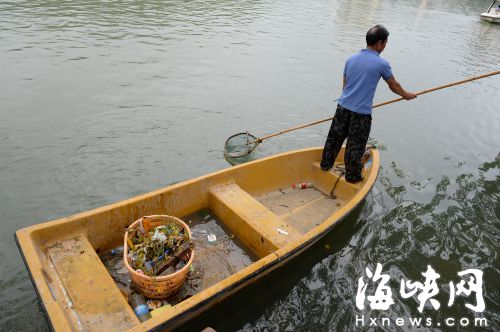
247 198
492 15
490 18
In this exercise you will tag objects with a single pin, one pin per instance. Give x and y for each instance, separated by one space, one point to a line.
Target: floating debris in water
155 304
140 307
204 214
116 267
212 238
117 251
192 285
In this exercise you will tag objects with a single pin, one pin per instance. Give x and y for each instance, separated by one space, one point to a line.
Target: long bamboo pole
377 105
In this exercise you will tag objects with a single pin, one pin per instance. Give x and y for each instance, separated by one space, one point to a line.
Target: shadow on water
451 224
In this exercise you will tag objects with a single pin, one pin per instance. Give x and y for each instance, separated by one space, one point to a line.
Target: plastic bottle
140 306
117 251
302 185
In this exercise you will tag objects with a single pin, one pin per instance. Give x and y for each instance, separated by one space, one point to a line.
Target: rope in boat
341 169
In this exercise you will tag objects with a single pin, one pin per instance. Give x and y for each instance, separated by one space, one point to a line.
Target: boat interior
252 209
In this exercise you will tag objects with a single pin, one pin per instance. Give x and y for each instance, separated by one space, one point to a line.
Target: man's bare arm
398 89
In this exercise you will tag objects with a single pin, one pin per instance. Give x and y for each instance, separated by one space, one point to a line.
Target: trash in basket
158 252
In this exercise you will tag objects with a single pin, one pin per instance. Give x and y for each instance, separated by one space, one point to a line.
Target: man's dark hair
376 34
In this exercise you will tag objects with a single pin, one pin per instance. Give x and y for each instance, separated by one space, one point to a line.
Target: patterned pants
356 128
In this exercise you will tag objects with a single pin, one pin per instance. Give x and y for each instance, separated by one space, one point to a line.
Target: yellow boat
254 201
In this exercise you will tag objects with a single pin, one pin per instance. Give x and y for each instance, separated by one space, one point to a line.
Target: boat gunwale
39 297
224 287
308 239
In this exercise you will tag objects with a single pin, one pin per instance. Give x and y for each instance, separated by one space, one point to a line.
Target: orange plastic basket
163 286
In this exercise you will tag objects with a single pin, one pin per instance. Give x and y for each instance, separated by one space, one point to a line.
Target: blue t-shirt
362 72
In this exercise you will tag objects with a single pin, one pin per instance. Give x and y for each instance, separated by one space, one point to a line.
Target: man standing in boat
353 118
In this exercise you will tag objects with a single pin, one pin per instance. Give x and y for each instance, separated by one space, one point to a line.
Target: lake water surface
104 100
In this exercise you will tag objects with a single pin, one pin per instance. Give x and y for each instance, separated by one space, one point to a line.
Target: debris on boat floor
302 185
222 258
212 263
212 238
116 267
139 304
282 231
302 209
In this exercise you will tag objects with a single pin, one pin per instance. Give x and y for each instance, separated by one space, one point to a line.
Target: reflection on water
454 229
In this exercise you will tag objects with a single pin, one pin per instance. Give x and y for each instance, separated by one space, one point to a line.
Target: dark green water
103 100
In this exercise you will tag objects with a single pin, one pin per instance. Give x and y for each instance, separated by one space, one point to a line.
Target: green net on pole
240 145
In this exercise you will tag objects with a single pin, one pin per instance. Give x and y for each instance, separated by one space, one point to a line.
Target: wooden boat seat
93 300
257 226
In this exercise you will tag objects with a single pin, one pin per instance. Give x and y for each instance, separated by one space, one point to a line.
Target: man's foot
326 168
355 180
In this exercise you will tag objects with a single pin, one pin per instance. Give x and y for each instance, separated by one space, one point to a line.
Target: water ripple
103 100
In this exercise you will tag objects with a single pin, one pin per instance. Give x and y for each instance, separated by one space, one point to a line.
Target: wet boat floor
216 260
221 259
303 209
213 261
